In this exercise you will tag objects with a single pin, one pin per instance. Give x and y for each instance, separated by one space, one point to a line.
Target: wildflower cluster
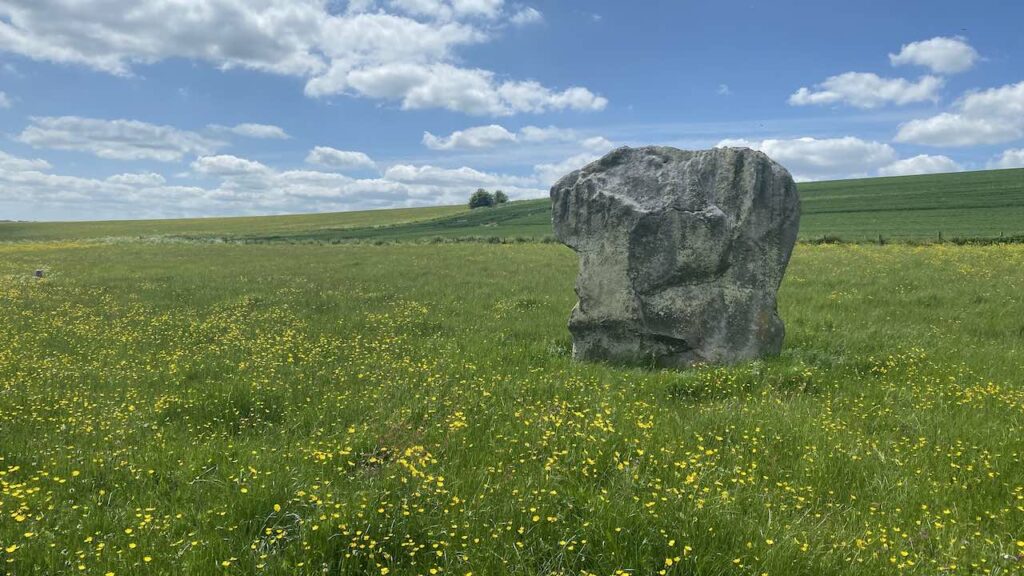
362 419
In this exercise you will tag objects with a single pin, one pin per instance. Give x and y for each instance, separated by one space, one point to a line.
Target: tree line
482 198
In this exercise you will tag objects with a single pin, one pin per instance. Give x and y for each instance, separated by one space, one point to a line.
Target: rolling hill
966 205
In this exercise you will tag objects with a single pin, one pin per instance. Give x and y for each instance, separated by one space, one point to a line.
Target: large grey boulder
681 254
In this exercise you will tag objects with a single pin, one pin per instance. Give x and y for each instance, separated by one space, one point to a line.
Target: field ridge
978 206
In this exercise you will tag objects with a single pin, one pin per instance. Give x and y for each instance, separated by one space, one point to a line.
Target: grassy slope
266 225
966 205
279 409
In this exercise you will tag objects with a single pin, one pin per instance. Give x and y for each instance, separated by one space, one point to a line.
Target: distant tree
481 198
500 197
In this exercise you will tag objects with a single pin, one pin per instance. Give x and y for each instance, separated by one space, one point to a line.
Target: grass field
288 406
966 205
411 409
220 227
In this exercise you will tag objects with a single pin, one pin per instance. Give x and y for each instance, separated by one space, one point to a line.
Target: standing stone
681 254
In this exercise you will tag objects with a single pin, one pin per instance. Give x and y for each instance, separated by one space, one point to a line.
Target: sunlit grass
986 204
228 409
220 227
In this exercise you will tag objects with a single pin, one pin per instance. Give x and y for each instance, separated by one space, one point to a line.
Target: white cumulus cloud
482 8
228 165
527 15
943 55
449 9
867 90
400 50
257 131
442 85
16 164
30 190
825 158
493 135
30 185
115 139
334 158
271 35
547 134
990 116
463 176
920 164
955 129
141 179
597 144
475 137
1013 158
548 174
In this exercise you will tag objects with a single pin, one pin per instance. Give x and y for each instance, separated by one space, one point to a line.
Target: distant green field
412 409
246 225
524 219
966 205
972 205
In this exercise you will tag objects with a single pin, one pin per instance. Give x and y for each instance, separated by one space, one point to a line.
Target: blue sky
161 108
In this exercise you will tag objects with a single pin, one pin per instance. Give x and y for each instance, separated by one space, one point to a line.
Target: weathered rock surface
681 254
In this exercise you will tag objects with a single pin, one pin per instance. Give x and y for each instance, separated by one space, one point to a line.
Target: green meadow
280 404
986 205
218 227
